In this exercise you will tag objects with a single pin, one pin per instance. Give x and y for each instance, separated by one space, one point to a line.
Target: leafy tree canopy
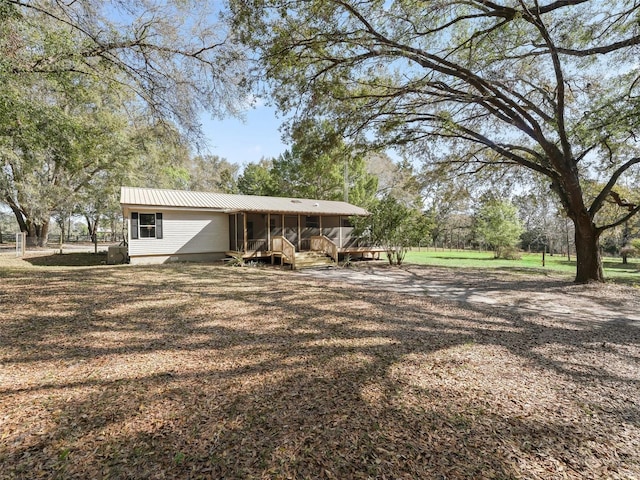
210 173
393 225
92 91
172 56
397 179
256 179
56 137
498 225
319 165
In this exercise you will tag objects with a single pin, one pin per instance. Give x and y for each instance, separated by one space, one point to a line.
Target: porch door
291 229
310 228
275 226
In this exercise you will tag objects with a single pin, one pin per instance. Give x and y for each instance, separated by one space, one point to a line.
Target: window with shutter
146 225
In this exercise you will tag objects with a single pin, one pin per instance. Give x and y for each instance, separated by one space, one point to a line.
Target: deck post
320 224
244 221
339 231
299 233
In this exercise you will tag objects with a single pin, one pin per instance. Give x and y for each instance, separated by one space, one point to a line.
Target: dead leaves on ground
194 371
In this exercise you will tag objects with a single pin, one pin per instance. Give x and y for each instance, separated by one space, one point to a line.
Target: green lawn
613 268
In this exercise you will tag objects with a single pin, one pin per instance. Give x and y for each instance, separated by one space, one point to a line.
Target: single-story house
173 225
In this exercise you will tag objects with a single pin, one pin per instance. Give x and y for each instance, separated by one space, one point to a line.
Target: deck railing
256 245
286 248
324 244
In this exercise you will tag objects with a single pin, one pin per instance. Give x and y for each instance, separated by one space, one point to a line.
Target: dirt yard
196 371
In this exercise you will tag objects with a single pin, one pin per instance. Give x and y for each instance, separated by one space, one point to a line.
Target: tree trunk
390 256
92 225
37 233
61 223
566 227
114 228
589 262
18 214
32 234
43 237
587 235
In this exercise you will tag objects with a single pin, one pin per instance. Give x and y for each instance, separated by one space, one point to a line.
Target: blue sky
245 141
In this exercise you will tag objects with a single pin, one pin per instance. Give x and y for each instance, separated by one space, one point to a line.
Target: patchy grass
196 371
614 269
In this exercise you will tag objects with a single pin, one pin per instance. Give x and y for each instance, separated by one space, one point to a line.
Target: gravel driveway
547 295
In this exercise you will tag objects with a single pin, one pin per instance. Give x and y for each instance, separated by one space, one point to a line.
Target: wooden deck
252 254
287 253
270 254
361 250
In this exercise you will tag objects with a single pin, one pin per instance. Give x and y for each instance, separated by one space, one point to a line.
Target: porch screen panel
233 244
331 228
275 225
348 239
259 222
240 235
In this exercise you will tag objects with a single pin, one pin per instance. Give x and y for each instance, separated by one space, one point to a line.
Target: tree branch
629 42
624 219
536 20
598 202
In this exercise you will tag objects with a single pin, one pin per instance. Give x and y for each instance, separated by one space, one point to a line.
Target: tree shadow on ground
608 264
204 372
630 266
77 259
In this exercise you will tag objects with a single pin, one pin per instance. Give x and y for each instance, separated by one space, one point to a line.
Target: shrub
236 260
509 253
628 251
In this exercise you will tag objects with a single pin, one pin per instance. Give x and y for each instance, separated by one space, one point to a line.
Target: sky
245 141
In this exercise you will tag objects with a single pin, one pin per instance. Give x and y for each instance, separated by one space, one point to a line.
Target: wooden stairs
312 260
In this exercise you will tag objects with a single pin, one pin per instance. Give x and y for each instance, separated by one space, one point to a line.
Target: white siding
184 233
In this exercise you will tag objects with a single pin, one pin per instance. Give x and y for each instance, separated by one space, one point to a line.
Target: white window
146 225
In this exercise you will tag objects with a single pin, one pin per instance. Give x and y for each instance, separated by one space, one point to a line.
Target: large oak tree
56 138
551 88
80 78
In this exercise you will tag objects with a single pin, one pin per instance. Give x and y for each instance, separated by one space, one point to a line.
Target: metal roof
224 202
